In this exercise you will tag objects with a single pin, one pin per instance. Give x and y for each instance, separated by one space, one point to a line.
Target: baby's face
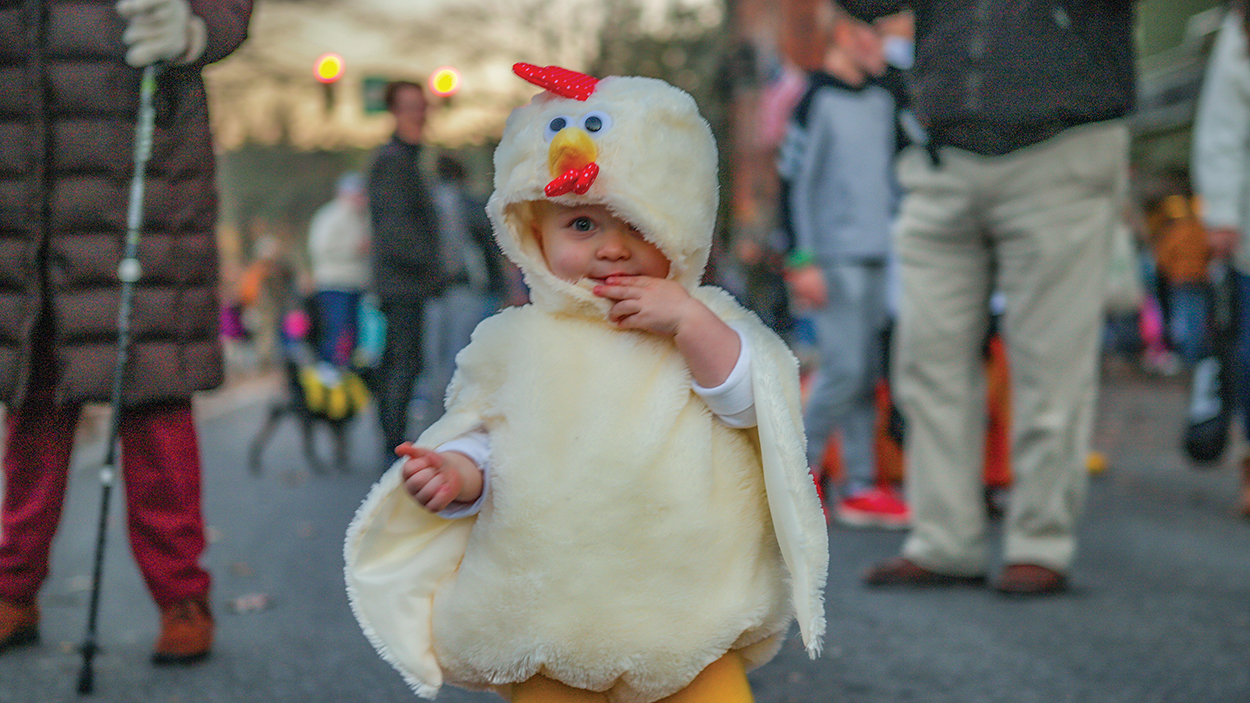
588 241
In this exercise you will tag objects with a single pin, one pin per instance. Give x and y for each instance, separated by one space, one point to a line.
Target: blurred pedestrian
407 261
270 286
1181 253
1221 170
69 87
1016 190
838 200
338 249
471 263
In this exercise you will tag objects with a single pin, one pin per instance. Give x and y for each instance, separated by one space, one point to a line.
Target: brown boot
19 624
186 633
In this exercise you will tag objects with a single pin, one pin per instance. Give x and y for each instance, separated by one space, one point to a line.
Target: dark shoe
901 572
1243 507
19 624
186 633
1030 580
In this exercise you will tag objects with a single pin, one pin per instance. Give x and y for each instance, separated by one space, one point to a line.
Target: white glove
161 30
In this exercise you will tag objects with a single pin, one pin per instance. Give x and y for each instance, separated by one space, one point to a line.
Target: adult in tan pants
1035 222
1015 188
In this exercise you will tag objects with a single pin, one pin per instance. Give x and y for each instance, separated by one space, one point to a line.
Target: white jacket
338 247
1221 154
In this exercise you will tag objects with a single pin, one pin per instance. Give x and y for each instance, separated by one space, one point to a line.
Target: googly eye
596 122
555 125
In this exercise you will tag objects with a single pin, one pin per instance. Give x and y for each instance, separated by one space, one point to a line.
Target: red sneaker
879 506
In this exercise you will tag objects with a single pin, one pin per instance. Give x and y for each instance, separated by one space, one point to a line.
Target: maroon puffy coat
68 104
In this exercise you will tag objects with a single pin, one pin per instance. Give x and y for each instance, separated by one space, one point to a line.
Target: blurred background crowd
289 140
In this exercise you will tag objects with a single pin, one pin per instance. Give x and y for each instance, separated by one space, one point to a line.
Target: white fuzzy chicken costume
629 538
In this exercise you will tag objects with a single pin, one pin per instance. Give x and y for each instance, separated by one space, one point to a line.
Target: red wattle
563 183
577 180
587 177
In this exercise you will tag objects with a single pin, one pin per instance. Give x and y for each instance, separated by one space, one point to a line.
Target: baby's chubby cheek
567 268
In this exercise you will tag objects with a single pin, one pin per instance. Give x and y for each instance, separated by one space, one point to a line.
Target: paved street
1160 611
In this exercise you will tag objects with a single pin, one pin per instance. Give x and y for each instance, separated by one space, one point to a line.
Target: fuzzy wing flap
397 554
798 519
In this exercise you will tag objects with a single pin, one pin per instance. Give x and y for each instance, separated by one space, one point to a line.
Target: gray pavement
1160 610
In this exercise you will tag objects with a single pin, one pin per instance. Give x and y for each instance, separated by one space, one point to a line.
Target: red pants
160 471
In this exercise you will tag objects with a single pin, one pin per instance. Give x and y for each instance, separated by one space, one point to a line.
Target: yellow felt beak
571 148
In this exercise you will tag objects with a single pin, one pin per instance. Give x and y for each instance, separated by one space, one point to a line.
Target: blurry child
474 276
624 508
1179 240
338 250
838 201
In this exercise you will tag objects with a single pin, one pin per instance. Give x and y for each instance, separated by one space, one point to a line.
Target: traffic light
327 69
445 81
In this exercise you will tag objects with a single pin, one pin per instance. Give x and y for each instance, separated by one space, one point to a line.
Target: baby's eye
596 122
555 125
583 224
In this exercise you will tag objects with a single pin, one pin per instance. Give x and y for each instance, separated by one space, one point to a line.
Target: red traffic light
328 68
444 81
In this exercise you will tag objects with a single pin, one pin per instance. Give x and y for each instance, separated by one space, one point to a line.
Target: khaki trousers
1035 224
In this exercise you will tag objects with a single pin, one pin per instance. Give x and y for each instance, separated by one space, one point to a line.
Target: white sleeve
476 446
733 401
1221 141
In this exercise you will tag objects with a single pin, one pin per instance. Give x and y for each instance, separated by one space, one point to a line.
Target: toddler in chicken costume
615 506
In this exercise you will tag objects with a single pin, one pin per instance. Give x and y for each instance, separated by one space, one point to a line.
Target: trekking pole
128 273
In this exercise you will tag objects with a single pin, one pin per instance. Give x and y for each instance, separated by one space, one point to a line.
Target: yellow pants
723 681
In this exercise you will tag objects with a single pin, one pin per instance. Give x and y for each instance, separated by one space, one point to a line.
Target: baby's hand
428 478
807 286
656 305
663 307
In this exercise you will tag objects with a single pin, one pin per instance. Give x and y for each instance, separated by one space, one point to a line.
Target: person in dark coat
69 86
407 263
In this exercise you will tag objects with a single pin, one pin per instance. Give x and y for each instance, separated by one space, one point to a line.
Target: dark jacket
68 104
995 75
407 261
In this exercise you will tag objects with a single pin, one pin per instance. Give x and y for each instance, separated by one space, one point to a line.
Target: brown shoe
902 572
19 624
1030 580
186 633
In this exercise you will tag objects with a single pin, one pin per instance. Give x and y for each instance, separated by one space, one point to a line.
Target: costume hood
635 145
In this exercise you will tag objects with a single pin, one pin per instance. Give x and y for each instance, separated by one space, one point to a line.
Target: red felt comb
561 81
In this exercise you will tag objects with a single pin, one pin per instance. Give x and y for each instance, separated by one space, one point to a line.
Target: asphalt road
1160 609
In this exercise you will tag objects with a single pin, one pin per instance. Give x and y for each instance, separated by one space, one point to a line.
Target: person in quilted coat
69 86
